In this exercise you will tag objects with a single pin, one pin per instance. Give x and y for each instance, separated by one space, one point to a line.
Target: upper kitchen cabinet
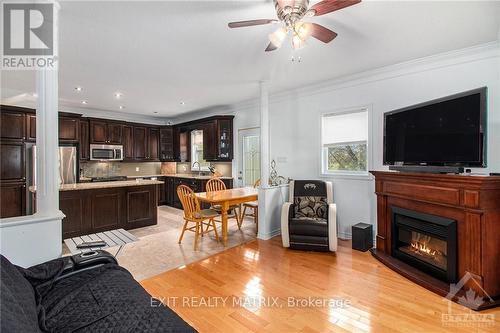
184 145
31 126
106 132
167 153
218 139
140 143
69 128
12 122
84 140
153 144
146 143
128 143
115 133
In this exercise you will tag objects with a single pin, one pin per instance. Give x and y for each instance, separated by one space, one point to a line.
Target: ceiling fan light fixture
278 37
297 42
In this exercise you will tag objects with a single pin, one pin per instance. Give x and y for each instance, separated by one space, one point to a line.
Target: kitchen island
102 206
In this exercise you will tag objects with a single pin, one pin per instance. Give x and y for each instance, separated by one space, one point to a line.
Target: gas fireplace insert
426 242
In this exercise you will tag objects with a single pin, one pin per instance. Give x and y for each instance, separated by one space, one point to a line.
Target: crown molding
436 61
113 115
440 60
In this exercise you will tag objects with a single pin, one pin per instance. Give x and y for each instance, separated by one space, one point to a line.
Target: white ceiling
161 53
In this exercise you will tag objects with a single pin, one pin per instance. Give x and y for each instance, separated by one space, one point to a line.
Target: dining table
226 199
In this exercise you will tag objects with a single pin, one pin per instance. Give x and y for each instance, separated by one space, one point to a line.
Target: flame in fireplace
422 247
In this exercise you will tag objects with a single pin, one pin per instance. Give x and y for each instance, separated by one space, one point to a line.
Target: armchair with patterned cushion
309 219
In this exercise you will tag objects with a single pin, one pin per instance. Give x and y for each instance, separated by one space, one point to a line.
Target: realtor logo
28 35
472 300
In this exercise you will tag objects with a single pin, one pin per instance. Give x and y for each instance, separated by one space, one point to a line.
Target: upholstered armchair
309 218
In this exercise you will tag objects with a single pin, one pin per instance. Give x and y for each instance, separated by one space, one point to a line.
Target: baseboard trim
269 235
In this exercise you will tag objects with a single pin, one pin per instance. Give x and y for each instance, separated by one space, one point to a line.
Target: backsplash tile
110 169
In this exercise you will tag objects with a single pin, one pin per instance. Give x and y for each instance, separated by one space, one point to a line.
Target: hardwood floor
365 296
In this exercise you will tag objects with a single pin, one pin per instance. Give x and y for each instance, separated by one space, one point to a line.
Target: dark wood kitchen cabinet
141 203
84 140
153 144
169 191
12 199
69 129
107 207
146 143
184 145
12 123
140 143
98 132
30 127
218 139
97 210
162 191
128 143
167 144
115 133
75 207
12 163
105 132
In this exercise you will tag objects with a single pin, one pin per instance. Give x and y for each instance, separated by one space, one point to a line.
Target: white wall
295 118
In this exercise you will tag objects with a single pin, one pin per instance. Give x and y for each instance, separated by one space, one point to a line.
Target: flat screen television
449 131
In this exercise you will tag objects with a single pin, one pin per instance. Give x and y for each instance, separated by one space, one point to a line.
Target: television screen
450 131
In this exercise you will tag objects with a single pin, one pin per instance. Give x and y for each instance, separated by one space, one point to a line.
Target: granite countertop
101 185
178 175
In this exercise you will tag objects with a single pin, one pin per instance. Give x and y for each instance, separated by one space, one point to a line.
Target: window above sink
197 152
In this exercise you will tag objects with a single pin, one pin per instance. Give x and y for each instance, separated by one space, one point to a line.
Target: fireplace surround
470 204
425 241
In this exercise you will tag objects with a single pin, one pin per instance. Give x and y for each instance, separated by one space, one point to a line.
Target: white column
47 129
264 134
270 198
33 239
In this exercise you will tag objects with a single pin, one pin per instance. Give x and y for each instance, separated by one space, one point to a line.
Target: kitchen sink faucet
199 167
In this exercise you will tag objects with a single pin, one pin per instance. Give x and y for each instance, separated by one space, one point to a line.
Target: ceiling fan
291 14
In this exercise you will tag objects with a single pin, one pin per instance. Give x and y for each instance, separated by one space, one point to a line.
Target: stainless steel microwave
106 153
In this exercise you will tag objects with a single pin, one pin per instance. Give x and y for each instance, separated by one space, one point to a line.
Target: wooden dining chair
194 214
216 184
254 207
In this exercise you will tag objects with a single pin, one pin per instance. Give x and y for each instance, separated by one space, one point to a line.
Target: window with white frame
344 142
197 152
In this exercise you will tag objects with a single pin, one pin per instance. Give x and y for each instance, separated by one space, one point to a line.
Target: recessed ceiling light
183 103
79 89
121 107
84 102
118 95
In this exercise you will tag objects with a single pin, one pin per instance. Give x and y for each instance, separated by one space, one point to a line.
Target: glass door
249 159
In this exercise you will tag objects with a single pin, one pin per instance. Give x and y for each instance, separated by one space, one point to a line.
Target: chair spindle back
190 203
215 184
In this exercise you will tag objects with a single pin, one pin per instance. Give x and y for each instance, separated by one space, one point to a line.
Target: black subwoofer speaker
362 237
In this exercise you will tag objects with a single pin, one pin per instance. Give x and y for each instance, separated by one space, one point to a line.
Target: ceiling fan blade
328 6
271 47
321 33
250 23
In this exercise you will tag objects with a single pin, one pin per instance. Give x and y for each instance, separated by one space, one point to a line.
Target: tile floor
157 250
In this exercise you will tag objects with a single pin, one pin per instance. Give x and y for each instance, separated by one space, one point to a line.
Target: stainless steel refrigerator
68 168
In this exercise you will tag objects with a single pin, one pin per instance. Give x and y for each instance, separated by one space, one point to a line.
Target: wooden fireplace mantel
473 201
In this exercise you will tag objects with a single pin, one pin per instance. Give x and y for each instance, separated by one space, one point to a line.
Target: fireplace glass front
426 242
